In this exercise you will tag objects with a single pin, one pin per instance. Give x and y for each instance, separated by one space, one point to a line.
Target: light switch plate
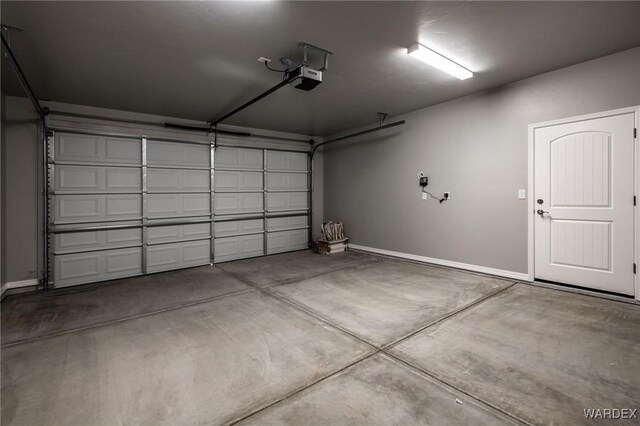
424 196
522 194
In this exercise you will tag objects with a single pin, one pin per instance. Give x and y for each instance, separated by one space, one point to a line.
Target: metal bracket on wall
325 54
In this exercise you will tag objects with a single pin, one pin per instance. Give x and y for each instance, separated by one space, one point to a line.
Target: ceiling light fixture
435 59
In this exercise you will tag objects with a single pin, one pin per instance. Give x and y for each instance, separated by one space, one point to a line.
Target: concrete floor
301 338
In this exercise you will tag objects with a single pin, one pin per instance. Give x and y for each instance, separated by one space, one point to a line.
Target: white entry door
584 203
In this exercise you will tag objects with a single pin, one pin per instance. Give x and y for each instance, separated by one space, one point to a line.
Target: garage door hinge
635 133
634 200
634 268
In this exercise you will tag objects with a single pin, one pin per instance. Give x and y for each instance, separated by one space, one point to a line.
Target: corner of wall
3 277
20 175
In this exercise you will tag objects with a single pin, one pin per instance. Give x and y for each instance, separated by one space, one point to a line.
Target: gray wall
21 204
3 278
21 222
475 147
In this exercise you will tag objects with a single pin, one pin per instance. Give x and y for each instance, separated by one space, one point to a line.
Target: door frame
636 185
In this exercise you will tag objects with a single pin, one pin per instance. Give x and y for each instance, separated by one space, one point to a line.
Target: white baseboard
17 284
475 268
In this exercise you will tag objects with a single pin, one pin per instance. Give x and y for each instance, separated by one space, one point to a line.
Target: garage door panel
241 247
123 179
284 223
96 179
78 240
293 161
77 178
177 154
166 256
123 236
178 205
97 149
278 242
71 147
94 240
194 180
197 251
80 268
123 205
171 256
123 150
286 201
196 204
238 158
163 179
238 203
83 208
238 227
238 181
76 208
286 181
123 261
177 180
174 233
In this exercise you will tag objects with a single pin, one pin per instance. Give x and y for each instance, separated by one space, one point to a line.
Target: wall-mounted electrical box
422 179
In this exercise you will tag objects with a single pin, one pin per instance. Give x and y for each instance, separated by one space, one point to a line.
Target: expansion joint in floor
268 292
447 316
303 388
128 318
297 280
458 389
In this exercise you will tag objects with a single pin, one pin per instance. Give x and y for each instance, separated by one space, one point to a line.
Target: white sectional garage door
261 202
125 206
178 182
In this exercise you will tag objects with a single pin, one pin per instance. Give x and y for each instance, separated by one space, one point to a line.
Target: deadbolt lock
539 201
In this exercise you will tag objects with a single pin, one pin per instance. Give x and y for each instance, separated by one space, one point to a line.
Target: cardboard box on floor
334 240
331 247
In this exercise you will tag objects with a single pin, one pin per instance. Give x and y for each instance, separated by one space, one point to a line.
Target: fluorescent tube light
437 60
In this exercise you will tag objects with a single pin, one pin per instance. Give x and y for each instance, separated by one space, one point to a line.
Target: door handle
541 212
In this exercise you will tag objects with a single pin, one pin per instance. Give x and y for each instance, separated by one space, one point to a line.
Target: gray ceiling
198 60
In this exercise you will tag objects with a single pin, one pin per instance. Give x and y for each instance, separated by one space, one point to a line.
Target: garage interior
167 169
